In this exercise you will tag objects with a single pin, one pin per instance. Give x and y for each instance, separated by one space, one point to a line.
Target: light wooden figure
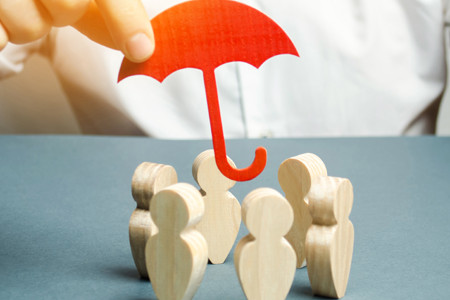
147 180
264 260
222 219
177 255
295 176
329 241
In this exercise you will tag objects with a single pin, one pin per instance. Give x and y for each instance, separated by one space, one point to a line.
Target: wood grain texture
177 255
148 179
264 260
329 241
222 219
295 175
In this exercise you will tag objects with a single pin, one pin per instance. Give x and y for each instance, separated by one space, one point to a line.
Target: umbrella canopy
205 34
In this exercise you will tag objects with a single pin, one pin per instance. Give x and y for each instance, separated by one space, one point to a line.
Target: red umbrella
205 34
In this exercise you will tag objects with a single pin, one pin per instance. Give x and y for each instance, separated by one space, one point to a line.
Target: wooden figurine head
149 179
178 206
297 173
207 174
333 204
267 211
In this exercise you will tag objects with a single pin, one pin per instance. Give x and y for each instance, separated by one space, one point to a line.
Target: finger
92 25
24 20
65 12
129 26
3 37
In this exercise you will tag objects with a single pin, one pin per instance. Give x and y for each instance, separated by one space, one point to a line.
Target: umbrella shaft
214 114
220 151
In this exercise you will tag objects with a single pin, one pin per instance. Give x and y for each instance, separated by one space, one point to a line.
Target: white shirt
365 68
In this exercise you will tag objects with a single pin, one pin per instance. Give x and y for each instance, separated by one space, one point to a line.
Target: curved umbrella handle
257 166
220 152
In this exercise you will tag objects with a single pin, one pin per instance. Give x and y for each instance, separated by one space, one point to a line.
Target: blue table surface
66 203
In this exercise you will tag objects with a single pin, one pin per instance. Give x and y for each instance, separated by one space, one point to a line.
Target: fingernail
139 47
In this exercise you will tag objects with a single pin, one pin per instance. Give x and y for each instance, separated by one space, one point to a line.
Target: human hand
118 24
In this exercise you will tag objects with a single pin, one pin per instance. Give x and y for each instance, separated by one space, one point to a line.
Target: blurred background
37 88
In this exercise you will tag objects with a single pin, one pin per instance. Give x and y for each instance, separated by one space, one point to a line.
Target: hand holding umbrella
205 34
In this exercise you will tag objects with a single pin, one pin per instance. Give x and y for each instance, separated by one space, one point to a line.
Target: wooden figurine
177 255
264 260
329 241
222 219
147 180
295 176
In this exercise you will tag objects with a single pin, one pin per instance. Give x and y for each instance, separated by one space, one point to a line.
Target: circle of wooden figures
184 226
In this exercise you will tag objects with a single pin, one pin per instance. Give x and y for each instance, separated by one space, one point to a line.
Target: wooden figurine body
147 180
329 241
177 255
295 176
264 260
221 221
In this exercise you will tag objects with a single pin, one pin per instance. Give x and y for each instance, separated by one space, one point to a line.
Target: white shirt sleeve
13 57
446 6
443 122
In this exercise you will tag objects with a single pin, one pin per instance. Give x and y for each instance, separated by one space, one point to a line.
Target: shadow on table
305 291
137 298
127 273
130 274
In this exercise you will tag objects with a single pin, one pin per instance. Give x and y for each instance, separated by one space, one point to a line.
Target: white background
37 88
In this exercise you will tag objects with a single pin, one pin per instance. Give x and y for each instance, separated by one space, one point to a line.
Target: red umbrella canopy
205 34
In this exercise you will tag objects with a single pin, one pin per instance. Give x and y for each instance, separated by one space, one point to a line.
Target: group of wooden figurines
176 229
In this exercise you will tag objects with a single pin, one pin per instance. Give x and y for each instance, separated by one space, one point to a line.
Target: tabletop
66 202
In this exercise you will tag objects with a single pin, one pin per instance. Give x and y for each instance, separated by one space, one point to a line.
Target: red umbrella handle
220 151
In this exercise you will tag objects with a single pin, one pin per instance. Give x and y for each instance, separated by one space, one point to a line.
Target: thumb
119 24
